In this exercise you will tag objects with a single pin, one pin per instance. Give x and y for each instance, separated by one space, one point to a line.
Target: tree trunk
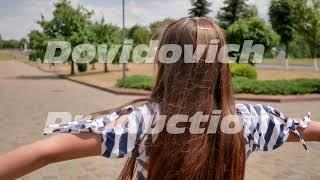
314 57
93 67
72 67
287 57
106 67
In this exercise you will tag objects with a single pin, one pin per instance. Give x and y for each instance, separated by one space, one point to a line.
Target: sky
18 17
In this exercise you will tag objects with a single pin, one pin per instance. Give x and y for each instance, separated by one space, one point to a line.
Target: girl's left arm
60 147
310 133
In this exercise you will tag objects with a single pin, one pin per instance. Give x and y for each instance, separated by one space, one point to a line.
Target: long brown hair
187 88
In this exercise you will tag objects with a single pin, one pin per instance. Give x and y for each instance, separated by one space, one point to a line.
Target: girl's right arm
114 143
60 147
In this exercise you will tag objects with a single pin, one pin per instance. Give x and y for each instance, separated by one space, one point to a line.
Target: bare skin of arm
57 148
311 133
60 147
66 146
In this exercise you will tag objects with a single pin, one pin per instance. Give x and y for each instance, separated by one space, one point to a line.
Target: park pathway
28 94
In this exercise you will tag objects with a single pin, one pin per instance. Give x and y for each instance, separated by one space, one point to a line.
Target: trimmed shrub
137 82
243 85
243 70
82 67
273 87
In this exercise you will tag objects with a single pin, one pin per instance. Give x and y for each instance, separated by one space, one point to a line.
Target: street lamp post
123 37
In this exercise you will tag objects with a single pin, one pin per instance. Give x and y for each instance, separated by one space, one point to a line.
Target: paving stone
27 95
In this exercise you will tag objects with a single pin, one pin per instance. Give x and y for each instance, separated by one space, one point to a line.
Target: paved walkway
27 94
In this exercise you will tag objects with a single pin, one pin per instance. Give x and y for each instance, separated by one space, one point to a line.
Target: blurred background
288 77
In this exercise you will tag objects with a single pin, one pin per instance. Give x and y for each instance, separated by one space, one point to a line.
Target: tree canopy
252 29
157 26
69 24
234 10
283 19
139 34
310 26
200 8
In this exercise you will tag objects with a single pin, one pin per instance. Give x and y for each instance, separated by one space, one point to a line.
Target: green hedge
273 87
243 85
243 70
137 82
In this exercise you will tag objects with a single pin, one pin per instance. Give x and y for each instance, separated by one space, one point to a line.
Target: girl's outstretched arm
311 133
60 147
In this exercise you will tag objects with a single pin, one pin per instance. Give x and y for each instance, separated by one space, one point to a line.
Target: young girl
180 89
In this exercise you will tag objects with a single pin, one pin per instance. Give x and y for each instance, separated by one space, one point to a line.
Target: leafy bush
243 70
243 85
82 67
137 82
255 29
273 87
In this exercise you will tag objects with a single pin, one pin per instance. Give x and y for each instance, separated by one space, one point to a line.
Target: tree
103 33
283 19
310 26
252 29
10 44
1 43
299 47
69 24
234 10
37 42
139 34
22 43
201 8
157 26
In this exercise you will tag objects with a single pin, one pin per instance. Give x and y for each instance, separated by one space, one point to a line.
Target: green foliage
102 33
200 8
284 18
82 67
252 29
139 34
69 24
11 44
137 82
243 85
38 43
283 87
243 70
157 27
234 10
1 43
309 25
299 48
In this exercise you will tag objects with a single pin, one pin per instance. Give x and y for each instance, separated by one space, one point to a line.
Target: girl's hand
311 133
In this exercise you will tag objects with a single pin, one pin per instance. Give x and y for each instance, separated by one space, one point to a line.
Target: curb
239 97
117 91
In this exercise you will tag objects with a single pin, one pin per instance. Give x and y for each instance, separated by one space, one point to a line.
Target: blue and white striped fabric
265 129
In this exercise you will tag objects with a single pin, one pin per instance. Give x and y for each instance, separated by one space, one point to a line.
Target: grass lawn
11 55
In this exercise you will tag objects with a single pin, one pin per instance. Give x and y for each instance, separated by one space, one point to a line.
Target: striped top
264 128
